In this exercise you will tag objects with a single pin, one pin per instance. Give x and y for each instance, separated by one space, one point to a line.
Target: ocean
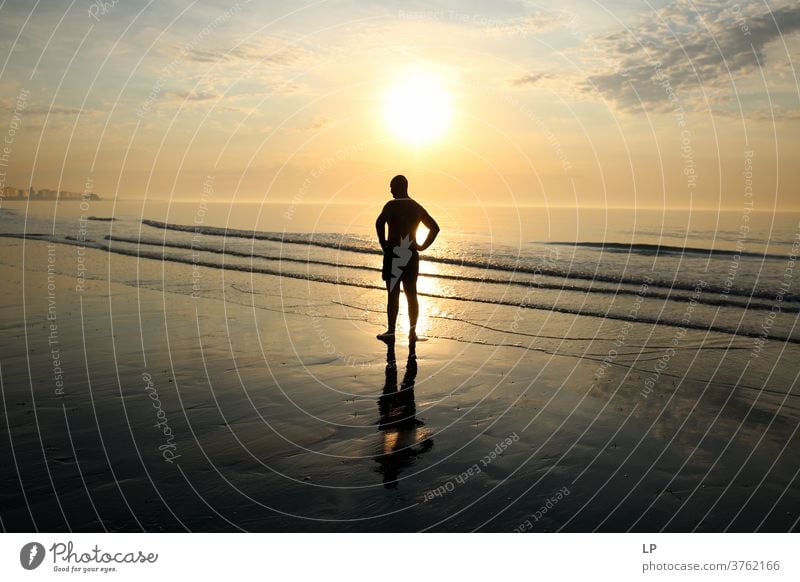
722 271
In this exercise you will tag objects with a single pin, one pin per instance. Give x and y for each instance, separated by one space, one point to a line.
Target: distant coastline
31 194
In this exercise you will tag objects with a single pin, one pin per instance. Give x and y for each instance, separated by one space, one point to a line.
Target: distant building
11 193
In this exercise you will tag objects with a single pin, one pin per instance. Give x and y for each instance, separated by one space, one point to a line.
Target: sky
671 104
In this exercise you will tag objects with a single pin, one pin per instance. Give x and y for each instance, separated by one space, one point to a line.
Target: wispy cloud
530 24
487 22
192 95
273 52
316 124
527 80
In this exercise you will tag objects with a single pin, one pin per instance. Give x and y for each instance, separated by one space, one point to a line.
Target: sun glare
418 108
422 234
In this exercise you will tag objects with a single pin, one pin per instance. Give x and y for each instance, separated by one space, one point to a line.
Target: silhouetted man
401 252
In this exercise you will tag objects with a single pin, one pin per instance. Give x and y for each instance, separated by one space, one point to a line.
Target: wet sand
162 397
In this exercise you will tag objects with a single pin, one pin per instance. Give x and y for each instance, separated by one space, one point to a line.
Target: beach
148 394
301 269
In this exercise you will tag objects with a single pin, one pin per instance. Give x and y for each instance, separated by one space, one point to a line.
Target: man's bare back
403 216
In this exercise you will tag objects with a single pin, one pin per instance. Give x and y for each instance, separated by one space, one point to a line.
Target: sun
418 108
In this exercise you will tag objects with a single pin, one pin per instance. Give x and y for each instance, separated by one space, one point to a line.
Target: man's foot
386 336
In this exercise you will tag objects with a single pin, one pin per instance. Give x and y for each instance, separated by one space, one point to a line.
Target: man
401 252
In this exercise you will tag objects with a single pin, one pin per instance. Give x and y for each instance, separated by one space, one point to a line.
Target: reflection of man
401 252
403 435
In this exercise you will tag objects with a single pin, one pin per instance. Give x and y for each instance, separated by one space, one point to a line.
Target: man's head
399 186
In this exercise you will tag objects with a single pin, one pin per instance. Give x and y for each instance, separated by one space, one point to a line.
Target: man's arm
433 229
380 228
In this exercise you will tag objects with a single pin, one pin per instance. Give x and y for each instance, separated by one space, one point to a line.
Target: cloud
685 47
273 52
281 86
776 114
530 24
44 111
483 23
527 80
193 95
316 124
267 66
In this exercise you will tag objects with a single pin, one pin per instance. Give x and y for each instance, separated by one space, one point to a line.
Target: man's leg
410 289
392 307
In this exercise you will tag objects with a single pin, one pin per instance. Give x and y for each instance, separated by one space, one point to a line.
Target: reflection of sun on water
428 306
389 442
399 440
